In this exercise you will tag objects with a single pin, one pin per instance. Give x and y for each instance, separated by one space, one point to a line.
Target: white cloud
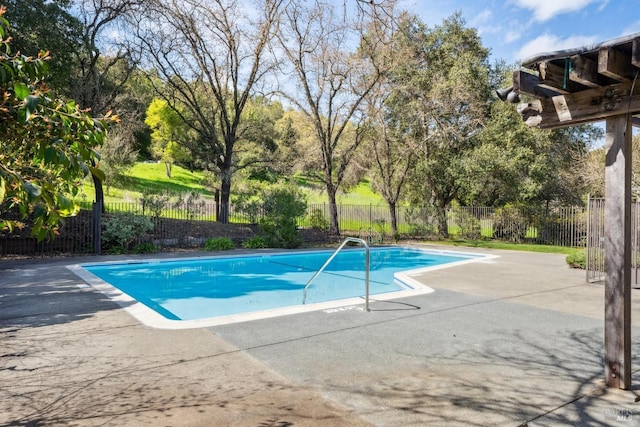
544 10
551 43
481 18
512 36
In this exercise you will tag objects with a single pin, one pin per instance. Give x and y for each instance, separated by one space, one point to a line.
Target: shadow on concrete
459 360
391 305
128 386
44 295
542 381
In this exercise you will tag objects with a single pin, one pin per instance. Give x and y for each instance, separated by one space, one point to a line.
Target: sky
517 29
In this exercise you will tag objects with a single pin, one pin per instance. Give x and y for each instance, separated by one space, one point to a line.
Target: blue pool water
209 287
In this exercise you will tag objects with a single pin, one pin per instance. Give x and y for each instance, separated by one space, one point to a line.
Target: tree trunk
167 169
394 218
225 194
97 185
441 213
334 229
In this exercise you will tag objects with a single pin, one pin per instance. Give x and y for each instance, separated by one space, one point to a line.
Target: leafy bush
555 227
421 221
248 205
122 230
510 224
191 202
219 244
154 203
469 225
256 242
578 259
145 248
283 206
318 220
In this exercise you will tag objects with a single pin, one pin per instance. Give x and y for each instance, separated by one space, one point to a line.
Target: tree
443 89
392 143
211 61
47 144
333 80
498 170
47 25
590 170
513 163
169 134
77 34
117 156
258 148
288 157
100 78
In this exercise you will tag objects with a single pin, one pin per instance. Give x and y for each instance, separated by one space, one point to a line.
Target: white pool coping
151 318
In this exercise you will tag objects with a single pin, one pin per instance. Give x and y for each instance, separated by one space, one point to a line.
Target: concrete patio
516 340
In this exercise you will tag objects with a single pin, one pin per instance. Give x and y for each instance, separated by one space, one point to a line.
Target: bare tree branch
335 71
210 56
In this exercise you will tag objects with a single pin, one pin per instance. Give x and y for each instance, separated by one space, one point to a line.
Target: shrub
154 203
191 202
421 221
145 248
123 230
256 242
219 244
318 220
555 227
577 259
469 225
283 206
249 206
510 224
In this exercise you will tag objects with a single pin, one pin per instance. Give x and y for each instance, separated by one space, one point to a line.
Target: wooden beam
617 249
557 78
586 106
635 52
585 71
527 84
615 64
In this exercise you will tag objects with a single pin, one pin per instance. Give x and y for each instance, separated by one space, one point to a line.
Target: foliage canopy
47 144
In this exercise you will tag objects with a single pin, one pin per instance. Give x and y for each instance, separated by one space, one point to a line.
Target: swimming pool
195 292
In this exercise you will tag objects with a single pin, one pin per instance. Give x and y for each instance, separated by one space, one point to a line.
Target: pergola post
617 331
583 85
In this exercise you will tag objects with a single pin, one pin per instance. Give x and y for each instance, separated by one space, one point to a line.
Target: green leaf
32 189
3 190
31 102
66 206
21 90
51 155
97 173
6 225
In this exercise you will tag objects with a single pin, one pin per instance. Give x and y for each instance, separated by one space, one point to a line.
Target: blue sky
517 29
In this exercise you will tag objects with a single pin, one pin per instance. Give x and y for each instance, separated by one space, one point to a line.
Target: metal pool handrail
333 255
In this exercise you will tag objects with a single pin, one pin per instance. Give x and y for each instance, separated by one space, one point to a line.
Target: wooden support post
617 330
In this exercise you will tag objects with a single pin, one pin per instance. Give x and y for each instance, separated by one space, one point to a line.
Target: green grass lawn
151 177
494 244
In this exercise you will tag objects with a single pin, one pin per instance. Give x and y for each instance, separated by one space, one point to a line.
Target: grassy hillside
152 177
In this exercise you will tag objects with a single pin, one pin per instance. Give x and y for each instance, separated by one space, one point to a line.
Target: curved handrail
333 255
